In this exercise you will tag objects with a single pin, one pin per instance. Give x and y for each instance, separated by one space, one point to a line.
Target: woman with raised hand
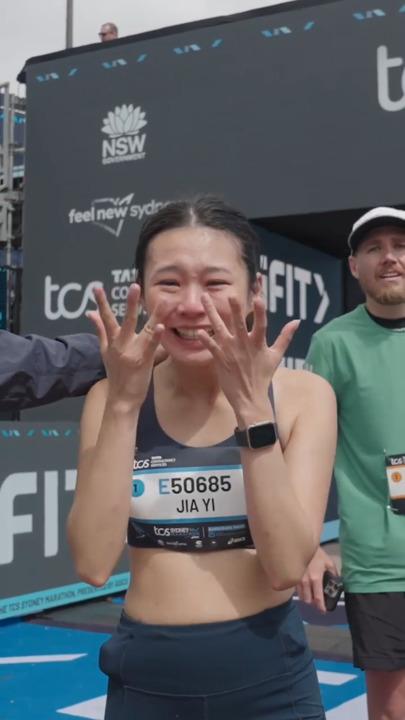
214 467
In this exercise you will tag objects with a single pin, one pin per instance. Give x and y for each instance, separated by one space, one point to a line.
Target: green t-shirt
365 364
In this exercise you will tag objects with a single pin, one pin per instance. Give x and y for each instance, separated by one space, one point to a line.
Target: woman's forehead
198 243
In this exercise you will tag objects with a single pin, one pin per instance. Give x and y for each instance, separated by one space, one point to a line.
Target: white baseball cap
377 217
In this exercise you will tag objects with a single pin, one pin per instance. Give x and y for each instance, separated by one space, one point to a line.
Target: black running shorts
377 626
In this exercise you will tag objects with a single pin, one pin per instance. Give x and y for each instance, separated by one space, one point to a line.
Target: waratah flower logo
125 120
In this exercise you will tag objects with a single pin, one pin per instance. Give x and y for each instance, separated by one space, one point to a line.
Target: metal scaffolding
11 199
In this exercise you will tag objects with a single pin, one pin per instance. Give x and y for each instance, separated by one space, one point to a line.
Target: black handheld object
332 589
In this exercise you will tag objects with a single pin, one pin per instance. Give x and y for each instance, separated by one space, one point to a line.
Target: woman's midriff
172 588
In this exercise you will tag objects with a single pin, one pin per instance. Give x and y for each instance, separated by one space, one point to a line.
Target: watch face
262 435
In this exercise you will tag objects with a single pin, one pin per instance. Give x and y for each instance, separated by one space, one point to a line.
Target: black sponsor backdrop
37 479
268 110
298 282
279 112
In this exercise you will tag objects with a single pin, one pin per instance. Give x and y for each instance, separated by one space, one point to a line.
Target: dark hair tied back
207 211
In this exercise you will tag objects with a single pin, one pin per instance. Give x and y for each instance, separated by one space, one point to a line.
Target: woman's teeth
191 334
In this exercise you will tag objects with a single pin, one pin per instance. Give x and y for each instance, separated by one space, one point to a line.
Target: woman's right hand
310 589
128 357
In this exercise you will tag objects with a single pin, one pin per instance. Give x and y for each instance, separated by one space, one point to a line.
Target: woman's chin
191 357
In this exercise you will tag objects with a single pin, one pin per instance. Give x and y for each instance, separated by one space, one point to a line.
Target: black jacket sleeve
35 370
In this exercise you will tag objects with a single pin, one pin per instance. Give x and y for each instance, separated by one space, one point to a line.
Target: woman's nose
190 301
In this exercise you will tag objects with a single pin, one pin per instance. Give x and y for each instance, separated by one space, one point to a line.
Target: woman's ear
258 285
352 260
256 289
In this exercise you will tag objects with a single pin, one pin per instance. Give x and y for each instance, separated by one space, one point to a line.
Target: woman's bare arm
287 490
98 520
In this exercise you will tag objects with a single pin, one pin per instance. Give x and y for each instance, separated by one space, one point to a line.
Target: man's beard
388 296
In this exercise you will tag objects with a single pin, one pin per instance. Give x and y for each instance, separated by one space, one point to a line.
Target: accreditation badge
395 472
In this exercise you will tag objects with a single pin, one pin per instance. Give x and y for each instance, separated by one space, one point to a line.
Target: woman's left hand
245 363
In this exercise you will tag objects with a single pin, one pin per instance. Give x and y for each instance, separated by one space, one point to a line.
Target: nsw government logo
125 141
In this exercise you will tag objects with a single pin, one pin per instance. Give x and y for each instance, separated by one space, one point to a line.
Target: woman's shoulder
301 385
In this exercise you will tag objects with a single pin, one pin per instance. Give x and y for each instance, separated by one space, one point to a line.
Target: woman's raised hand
128 356
245 363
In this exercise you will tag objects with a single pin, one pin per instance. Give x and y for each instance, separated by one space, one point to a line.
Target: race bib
395 471
196 508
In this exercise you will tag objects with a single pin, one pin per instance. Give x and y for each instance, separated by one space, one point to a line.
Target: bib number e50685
191 485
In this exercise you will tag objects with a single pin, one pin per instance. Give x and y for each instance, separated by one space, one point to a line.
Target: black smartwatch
257 436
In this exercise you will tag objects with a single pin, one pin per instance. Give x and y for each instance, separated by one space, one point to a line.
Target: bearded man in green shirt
362 355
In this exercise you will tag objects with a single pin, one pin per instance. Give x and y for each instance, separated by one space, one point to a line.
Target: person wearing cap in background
108 31
362 355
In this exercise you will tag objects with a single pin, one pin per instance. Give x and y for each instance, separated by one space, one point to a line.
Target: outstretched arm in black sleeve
35 370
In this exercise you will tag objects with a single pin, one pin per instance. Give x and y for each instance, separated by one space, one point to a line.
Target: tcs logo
68 301
141 464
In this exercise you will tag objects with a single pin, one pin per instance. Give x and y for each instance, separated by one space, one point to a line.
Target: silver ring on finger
149 329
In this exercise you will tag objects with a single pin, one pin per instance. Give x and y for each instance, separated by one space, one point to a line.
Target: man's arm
35 370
